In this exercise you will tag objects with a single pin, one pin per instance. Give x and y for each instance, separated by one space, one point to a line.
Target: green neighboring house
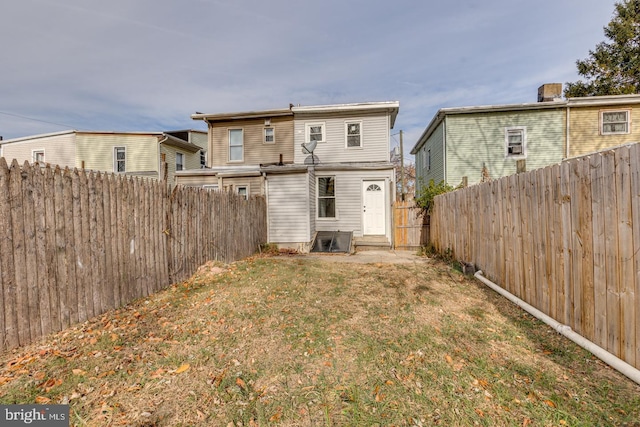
485 142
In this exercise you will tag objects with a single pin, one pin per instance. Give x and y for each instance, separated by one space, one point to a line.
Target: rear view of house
322 168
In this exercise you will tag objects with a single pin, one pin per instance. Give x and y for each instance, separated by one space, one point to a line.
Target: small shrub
427 193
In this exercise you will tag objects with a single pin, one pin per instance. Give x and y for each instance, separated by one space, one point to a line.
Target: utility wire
35 120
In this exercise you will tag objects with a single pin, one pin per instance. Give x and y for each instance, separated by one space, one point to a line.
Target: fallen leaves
183 368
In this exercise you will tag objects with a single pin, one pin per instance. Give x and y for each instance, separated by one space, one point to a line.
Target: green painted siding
474 140
434 147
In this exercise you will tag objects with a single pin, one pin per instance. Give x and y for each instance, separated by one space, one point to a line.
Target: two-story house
322 168
598 123
487 141
484 142
132 153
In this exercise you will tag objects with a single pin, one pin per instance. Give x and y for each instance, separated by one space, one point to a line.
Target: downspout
160 156
266 196
568 131
602 354
444 147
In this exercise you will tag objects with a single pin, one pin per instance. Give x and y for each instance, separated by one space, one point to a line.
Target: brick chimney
550 92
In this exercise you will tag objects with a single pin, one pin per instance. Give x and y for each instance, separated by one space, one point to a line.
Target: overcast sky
147 65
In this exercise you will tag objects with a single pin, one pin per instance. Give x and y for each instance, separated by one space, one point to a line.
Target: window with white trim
242 190
236 145
326 188
37 156
211 187
515 139
353 131
315 132
119 159
269 135
179 161
614 122
203 159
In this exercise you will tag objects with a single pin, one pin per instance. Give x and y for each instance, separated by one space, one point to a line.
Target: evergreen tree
613 68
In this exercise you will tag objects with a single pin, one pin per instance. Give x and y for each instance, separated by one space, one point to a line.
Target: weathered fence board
74 244
410 225
566 239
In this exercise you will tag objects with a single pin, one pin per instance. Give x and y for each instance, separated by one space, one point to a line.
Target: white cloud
148 65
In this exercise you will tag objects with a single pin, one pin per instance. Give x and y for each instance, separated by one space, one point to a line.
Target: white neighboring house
346 185
131 153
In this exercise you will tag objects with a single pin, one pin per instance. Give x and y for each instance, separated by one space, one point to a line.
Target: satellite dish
309 147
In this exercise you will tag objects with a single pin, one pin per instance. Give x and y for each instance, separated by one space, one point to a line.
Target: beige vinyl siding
199 138
191 160
348 190
255 151
96 150
288 208
584 129
374 133
196 180
434 143
476 139
58 150
254 183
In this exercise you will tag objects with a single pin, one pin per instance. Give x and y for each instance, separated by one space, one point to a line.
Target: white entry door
373 208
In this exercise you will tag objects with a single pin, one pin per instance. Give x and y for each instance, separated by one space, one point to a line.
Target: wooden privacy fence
410 225
75 244
566 239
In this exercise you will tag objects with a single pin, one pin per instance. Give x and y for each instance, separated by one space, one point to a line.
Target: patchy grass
288 341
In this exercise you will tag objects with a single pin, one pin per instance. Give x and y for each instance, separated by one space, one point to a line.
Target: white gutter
602 354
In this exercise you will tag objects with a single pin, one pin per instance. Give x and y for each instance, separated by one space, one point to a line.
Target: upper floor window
37 156
203 159
236 145
119 159
428 160
515 141
315 132
614 122
269 135
354 134
179 161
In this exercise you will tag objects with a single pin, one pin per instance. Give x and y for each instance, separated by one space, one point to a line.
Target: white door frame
380 228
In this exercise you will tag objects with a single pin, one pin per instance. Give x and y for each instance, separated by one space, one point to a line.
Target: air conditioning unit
515 149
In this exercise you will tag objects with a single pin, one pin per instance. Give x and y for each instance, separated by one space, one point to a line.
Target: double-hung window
315 132
179 161
119 159
353 134
236 145
326 189
614 122
515 142
269 135
203 159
